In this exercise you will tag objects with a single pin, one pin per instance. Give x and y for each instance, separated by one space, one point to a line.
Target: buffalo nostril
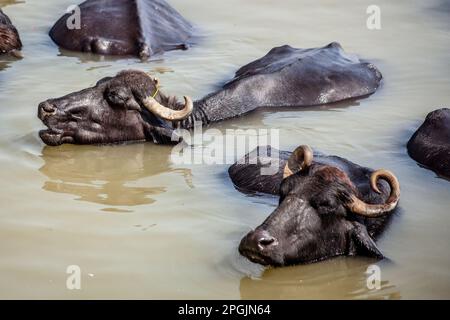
258 241
265 242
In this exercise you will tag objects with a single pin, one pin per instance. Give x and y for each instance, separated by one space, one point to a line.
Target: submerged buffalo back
288 76
102 25
162 27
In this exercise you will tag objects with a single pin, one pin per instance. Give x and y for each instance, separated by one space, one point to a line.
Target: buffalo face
315 218
127 107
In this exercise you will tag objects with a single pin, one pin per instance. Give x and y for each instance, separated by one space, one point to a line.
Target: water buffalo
9 37
430 144
328 207
117 109
91 174
122 27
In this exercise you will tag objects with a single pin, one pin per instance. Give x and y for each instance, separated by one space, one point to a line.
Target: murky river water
140 226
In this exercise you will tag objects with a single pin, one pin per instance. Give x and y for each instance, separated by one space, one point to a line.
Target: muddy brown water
141 226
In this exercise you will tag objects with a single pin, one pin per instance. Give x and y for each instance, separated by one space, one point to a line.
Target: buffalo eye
123 99
78 112
327 204
322 205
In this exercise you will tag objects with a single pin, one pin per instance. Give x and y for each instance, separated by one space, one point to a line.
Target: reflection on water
344 278
3 65
106 174
6 60
86 57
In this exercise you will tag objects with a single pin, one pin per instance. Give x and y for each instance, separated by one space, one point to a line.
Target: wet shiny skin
127 214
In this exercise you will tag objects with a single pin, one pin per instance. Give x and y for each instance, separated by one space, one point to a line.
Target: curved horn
166 113
301 159
376 210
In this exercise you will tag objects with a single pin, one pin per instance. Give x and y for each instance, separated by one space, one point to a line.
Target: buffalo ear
362 244
122 98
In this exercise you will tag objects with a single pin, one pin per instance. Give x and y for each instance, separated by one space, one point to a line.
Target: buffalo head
319 215
127 107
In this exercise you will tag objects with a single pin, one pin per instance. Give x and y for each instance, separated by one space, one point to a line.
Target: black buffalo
328 207
117 109
430 144
123 27
123 108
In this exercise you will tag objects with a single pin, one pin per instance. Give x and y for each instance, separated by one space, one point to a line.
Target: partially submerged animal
76 171
291 77
122 27
9 37
430 144
328 207
122 108
117 109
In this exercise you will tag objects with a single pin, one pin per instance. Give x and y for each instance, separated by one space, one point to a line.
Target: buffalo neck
221 105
